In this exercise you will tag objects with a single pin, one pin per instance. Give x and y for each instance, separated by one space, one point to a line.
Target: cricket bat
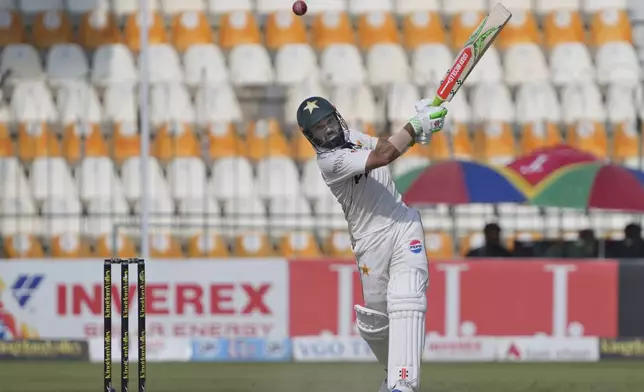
471 53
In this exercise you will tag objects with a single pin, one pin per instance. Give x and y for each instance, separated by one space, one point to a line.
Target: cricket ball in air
299 8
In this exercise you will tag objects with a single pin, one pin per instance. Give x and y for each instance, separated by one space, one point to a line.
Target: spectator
585 247
492 246
633 245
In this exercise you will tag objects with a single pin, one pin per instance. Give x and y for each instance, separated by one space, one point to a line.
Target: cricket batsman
387 236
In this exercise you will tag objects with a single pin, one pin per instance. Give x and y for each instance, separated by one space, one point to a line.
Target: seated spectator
585 247
493 246
633 246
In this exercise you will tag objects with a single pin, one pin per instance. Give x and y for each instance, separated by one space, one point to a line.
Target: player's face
328 133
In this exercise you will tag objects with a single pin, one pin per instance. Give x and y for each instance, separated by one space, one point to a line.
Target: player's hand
422 104
428 120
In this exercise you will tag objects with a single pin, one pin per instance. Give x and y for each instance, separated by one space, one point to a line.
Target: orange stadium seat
471 241
98 27
12 30
332 28
190 28
610 26
494 142
69 246
377 28
253 245
209 245
238 27
338 244
439 246
126 142
22 246
589 136
175 140
299 244
563 27
522 28
36 140
625 141
419 150
539 135
6 144
439 148
422 28
105 247
157 32
264 138
283 28
51 28
463 26
300 148
77 143
164 246
224 141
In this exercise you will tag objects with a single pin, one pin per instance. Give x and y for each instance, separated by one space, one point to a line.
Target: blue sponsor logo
24 287
415 246
241 350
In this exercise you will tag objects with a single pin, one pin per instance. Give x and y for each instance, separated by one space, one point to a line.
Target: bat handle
426 138
437 101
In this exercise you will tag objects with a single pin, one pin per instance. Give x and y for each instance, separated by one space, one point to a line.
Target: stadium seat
96 179
128 7
50 178
284 28
164 246
161 209
187 178
294 63
356 103
289 213
173 7
265 7
23 62
494 143
301 149
485 109
277 177
338 244
525 63
452 143
328 6
68 246
622 115
79 7
77 100
170 103
515 5
245 214
238 28
422 28
539 134
224 141
405 7
20 216
61 216
453 7
22 246
32 101
296 93
36 140
204 65
401 98
537 102
7 148
190 28
377 27
439 246
571 63
430 62
463 25
113 64
175 139
36 6
563 26
546 6
108 246
250 65
131 177
332 28
253 244
164 65
157 33
207 245
13 181
97 28
232 177
359 7
386 64
342 64
125 142
12 30
488 69
299 244
589 136
610 26
104 213
51 28
617 63
219 7
119 104
585 116
522 28
328 213
197 212
66 62
265 139
82 139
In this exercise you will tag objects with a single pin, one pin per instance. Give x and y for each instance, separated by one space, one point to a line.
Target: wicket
125 321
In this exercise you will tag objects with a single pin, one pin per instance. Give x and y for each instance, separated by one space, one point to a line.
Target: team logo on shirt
415 246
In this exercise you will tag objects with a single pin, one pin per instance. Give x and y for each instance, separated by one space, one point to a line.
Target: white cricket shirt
369 200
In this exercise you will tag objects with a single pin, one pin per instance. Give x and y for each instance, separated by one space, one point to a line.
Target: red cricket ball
299 8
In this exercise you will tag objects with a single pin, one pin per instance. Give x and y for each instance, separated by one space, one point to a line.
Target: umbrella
592 185
541 163
460 182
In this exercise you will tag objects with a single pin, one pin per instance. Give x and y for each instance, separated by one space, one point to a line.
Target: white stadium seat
216 104
231 178
250 65
570 63
161 209
452 7
277 177
592 6
290 213
23 62
294 63
488 69
25 219
364 6
515 5
313 186
204 64
401 98
620 104
32 102
270 6
329 214
105 213
61 216
328 6
97 179
356 104
131 178
342 64
7 5
545 6
170 102
126 7
82 6
245 213
537 102
66 62
187 178
430 62
13 181
163 64
492 102
50 178
113 64
218 7
459 108
582 103
174 7
298 92
200 211
120 103
387 63
617 62
525 63
404 7
636 10
36 6
78 101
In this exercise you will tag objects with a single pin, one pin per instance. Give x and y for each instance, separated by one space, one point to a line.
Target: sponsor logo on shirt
415 246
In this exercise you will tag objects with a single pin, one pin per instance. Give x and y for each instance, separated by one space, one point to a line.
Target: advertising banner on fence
478 298
622 349
157 350
331 349
241 350
196 298
463 349
51 350
545 349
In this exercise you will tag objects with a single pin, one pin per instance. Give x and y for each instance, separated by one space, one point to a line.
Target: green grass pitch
612 376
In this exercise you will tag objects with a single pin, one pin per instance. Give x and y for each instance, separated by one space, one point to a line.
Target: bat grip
437 101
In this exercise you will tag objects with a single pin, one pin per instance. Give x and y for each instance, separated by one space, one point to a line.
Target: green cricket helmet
322 125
